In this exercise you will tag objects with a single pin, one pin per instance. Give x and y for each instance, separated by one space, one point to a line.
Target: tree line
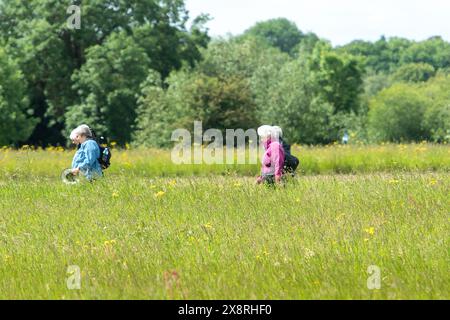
135 72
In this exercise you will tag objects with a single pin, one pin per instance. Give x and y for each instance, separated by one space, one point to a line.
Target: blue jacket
86 159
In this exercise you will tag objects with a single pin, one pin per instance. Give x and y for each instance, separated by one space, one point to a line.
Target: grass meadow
154 230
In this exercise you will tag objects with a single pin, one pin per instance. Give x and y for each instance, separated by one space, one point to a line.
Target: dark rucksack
291 162
105 157
105 151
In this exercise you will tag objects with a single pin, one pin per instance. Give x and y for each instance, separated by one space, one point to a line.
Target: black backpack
105 151
105 157
291 162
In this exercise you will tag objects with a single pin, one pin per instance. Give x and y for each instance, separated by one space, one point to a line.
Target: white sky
339 21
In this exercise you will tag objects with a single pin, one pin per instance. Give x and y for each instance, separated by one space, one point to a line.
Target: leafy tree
339 77
220 91
108 84
375 82
222 103
218 103
49 53
382 56
237 57
291 101
386 55
16 123
155 118
437 116
414 72
313 97
266 78
434 51
396 114
279 33
170 47
306 46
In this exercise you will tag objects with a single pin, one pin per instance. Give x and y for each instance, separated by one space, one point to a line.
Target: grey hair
278 131
269 131
82 130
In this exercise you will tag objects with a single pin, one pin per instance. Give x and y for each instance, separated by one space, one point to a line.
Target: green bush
437 115
396 114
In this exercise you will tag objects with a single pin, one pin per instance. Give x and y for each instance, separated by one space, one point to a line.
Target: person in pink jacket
273 159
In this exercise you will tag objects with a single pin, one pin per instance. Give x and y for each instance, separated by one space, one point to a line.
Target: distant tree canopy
387 55
135 72
412 112
50 54
217 92
414 72
283 34
243 82
279 33
396 114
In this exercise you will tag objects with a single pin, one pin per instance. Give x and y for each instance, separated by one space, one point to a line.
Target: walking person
86 159
273 160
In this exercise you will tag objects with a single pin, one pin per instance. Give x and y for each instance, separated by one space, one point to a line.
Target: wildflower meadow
357 222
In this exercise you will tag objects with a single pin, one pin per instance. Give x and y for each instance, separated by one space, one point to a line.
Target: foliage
314 97
219 103
414 72
49 53
292 103
107 85
135 71
437 115
279 33
396 114
338 77
16 123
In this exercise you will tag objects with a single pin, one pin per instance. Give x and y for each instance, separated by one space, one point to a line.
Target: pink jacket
273 160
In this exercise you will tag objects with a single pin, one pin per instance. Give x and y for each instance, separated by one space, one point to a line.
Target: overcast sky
339 21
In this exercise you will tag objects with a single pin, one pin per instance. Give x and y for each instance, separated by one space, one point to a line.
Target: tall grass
224 238
154 230
314 160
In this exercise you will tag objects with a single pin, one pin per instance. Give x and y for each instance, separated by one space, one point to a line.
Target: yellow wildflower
160 194
208 226
370 231
173 183
110 243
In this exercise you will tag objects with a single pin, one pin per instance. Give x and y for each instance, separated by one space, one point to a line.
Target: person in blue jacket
86 159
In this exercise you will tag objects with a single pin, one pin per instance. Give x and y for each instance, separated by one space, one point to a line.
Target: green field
153 230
